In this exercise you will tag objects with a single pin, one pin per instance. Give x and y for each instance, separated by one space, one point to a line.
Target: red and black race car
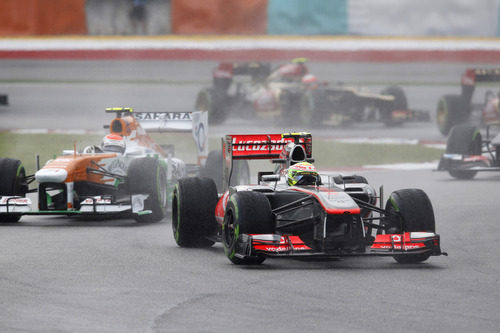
453 109
289 91
334 216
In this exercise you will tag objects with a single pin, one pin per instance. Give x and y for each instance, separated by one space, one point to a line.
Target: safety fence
250 17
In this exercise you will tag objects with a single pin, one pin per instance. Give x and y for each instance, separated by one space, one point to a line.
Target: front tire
149 176
247 212
193 212
12 183
410 210
464 140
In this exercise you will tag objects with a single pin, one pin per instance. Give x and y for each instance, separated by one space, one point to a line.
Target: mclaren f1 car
291 92
312 217
129 174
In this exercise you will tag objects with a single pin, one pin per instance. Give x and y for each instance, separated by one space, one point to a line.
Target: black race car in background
335 216
454 109
289 92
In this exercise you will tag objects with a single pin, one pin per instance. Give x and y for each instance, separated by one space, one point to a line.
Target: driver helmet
303 173
113 143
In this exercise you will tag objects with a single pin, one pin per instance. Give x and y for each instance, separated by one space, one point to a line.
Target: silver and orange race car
129 174
333 216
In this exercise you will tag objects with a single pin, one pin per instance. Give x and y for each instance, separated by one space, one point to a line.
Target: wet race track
62 274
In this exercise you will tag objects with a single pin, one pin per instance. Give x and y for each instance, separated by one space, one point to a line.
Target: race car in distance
467 153
4 99
309 217
455 109
291 92
128 175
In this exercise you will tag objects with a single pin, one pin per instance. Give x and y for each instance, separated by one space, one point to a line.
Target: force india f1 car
335 217
290 92
459 109
128 175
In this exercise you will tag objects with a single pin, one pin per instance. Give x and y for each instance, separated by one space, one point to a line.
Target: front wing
285 246
96 205
458 162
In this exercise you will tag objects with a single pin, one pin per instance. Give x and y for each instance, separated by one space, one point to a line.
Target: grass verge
328 154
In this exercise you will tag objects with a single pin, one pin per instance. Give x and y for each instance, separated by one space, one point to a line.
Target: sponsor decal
98 201
163 115
201 137
273 145
18 201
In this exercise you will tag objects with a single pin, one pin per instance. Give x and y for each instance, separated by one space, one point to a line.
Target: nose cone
51 175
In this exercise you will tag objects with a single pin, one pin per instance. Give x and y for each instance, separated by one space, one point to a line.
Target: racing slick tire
451 110
464 140
149 176
193 212
410 210
213 101
214 169
400 103
247 212
312 107
12 183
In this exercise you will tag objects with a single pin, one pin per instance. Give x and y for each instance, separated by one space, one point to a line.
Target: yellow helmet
303 173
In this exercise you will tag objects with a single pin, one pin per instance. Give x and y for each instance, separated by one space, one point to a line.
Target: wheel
289 102
400 103
247 212
451 110
12 183
214 169
410 210
464 140
213 101
149 176
311 112
193 212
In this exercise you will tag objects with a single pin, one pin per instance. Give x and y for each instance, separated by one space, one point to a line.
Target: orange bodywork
76 167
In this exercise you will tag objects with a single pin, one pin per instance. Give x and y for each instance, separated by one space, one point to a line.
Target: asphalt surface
59 274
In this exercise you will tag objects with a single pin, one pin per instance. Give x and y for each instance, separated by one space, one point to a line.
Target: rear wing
477 75
259 147
253 69
166 122
474 75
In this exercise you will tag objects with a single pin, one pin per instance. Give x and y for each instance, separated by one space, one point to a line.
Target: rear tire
149 176
464 140
193 212
213 101
312 106
400 103
214 170
12 183
410 210
451 110
247 212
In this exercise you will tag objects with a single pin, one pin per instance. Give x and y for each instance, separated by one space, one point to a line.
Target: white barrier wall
423 17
